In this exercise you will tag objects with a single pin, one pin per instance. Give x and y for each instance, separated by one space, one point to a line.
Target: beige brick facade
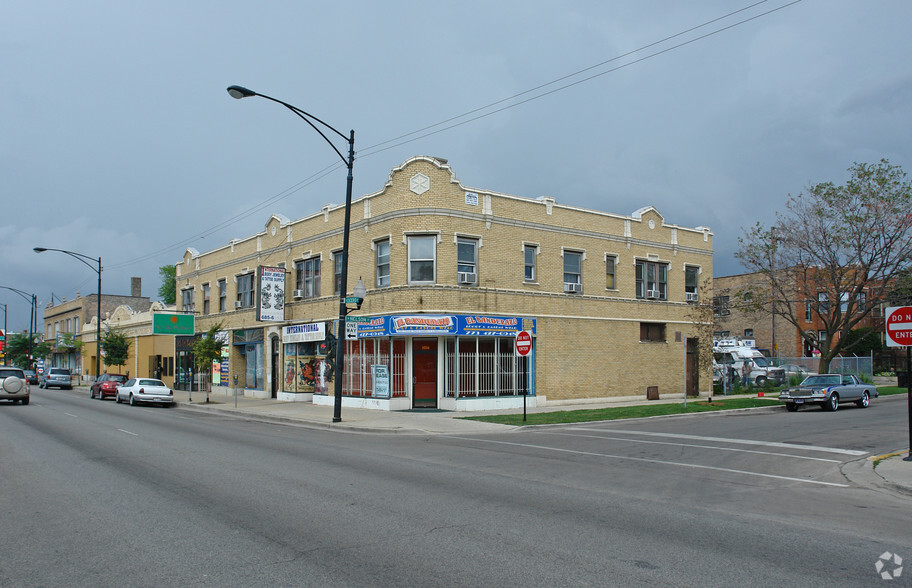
587 345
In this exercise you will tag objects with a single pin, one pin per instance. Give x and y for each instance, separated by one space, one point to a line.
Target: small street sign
523 343
352 300
899 326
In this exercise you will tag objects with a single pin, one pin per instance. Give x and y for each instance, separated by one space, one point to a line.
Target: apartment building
452 274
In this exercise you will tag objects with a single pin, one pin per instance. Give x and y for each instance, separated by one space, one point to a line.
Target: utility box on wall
652 393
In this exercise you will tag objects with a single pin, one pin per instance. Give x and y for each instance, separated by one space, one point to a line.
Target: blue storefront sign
438 324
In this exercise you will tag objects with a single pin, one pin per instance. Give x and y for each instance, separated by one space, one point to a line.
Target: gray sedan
828 390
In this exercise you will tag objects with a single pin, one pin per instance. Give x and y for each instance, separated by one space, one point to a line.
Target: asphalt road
100 494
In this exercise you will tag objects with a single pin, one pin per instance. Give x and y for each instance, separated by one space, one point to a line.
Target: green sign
357 319
352 300
172 324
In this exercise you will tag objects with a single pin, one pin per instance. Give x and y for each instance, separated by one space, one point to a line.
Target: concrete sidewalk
888 471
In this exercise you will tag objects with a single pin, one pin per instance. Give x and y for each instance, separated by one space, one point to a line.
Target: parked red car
105 385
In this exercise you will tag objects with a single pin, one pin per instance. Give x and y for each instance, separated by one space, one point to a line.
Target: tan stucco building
452 273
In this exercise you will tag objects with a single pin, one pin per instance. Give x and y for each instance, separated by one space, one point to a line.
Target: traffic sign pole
899 334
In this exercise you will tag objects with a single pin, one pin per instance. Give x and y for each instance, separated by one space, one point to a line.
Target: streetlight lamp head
38 249
239 92
359 290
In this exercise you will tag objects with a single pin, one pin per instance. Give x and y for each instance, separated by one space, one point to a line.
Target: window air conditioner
652 294
237 304
691 296
571 287
466 277
297 293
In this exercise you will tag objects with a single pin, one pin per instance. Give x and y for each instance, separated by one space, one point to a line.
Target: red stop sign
899 326
523 343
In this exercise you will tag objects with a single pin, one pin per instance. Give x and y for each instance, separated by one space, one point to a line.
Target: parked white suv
13 385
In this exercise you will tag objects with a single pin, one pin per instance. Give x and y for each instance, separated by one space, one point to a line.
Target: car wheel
864 401
25 400
761 381
791 407
833 403
132 400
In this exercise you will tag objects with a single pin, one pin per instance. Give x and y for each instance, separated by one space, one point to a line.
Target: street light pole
239 92
81 257
33 301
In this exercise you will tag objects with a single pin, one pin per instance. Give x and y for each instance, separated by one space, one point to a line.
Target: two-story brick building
452 274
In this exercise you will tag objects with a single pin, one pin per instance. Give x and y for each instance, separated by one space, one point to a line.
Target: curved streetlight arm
25 295
239 92
74 255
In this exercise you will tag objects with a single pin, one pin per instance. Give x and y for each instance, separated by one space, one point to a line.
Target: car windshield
117 378
151 383
761 361
825 380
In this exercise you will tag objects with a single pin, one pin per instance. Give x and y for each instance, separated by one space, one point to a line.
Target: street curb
307 424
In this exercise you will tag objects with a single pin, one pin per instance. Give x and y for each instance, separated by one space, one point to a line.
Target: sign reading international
166 323
435 324
270 294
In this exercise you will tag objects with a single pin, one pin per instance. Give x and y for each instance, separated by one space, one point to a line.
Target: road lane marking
128 432
72 415
653 461
726 440
773 453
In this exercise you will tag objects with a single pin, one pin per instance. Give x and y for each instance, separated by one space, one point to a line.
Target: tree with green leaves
836 252
116 348
17 349
168 289
206 349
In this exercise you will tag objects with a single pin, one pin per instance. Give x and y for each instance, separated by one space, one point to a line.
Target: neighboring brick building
452 273
775 333
66 322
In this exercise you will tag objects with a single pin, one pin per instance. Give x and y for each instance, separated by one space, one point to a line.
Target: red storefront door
424 370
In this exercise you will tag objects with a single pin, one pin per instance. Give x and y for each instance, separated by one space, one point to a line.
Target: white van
761 370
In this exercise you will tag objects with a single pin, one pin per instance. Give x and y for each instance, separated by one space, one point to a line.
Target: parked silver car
56 377
13 385
137 390
828 390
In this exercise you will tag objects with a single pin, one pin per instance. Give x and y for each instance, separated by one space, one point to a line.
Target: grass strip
624 412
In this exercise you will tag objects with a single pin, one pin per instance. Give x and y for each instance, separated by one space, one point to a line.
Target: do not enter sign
899 326
523 343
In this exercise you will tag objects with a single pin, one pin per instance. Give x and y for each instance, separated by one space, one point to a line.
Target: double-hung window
206 298
651 280
573 271
337 272
187 300
610 272
223 295
529 252
245 291
467 261
690 283
422 252
823 303
383 262
307 277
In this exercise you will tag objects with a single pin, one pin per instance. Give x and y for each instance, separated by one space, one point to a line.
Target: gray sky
119 140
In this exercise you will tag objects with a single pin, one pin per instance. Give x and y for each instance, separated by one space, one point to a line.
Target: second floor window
223 295
610 272
529 263
573 271
808 311
206 298
690 283
337 272
721 306
383 263
467 260
307 277
187 302
245 293
422 252
651 280
823 303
